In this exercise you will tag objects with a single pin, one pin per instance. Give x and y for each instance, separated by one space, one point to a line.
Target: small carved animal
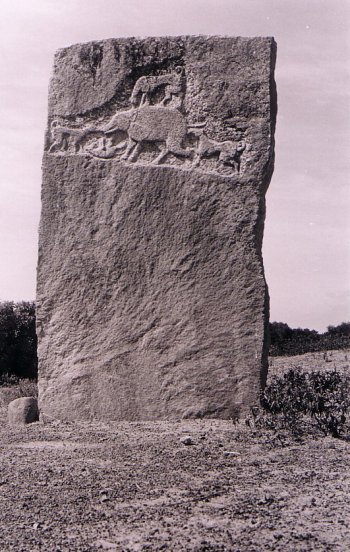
63 137
229 152
173 83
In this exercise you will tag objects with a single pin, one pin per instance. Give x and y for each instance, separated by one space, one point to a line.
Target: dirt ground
140 487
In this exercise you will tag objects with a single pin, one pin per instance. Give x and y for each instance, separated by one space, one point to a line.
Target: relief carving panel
155 129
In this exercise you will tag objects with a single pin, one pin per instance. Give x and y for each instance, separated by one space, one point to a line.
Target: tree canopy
18 342
289 341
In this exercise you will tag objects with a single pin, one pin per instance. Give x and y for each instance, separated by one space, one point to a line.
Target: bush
297 399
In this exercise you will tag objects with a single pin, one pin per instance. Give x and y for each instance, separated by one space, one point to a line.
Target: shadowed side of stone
152 301
23 411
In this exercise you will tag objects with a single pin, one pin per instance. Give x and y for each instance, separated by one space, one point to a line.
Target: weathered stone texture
23 411
152 301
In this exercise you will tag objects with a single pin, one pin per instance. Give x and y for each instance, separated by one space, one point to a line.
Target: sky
307 233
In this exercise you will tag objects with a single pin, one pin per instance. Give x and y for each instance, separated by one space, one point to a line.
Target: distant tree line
18 342
287 341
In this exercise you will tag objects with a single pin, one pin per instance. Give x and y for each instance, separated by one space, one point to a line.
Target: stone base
152 302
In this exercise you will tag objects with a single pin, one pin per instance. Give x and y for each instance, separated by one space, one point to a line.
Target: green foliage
288 341
18 342
297 399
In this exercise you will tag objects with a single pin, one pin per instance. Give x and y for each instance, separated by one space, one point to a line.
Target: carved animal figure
63 137
229 152
173 83
150 123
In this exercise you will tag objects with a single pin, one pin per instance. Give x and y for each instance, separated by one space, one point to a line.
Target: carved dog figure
63 136
229 152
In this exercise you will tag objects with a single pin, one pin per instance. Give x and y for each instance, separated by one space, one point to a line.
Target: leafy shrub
296 398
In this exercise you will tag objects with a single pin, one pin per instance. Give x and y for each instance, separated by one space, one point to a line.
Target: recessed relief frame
155 129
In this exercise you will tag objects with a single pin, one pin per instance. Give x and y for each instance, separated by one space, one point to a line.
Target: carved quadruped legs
164 152
64 137
144 100
196 160
56 145
131 145
135 153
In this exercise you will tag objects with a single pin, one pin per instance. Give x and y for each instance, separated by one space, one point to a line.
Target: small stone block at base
23 411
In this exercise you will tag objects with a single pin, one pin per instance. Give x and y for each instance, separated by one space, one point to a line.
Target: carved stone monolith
151 301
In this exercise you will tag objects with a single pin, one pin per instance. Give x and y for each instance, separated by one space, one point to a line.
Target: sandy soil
139 487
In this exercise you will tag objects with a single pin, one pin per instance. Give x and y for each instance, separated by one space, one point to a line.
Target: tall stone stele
151 300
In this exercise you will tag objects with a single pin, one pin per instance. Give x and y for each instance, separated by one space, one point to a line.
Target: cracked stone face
151 298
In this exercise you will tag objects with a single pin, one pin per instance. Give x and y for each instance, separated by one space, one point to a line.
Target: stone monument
151 299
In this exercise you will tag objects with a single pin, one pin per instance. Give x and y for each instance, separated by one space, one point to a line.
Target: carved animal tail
196 125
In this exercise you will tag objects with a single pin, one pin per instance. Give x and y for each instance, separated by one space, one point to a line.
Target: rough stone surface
152 301
23 411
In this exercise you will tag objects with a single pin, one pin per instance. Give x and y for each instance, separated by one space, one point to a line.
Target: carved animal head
121 121
55 125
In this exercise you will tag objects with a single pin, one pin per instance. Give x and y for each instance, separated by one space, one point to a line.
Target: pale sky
307 233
